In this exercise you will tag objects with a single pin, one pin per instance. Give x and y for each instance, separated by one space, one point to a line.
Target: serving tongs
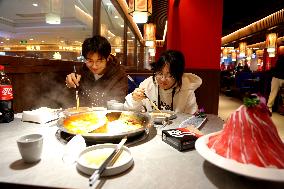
152 103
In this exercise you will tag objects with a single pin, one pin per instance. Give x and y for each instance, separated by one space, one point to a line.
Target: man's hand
72 80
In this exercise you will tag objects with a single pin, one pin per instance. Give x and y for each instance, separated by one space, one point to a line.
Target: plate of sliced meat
248 170
249 143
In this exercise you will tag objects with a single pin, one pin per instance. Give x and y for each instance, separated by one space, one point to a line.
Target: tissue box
180 138
40 115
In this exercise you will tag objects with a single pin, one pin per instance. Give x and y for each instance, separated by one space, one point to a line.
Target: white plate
248 170
124 161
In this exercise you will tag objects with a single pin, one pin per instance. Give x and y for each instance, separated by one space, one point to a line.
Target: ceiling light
271 40
117 41
140 10
140 17
54 11
149 43
31 39
150 34
234 56
242 49
116 17
56 55
2 42
35 4
151 50
52 18
42 41
7 39
270 50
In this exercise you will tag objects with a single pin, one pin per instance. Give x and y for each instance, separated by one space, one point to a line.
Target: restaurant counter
156 164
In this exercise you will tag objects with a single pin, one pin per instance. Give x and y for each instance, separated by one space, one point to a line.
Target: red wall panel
159 51
195 28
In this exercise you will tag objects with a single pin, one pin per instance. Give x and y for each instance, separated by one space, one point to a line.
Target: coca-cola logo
6 92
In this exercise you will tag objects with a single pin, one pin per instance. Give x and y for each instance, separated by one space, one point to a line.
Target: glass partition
53 29
56 29
112 27
115 26
130 48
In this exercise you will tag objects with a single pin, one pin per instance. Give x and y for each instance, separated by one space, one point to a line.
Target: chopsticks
110 160
152 103
76 94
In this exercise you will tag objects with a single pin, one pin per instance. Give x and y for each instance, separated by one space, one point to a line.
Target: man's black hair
96 44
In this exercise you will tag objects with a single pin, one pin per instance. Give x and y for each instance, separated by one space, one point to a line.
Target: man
101 78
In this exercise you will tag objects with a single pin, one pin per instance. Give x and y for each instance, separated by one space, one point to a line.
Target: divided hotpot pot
111 115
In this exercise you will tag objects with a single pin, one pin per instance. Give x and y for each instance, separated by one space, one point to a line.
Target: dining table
156 163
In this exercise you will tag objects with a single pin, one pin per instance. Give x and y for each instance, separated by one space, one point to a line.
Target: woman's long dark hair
176 62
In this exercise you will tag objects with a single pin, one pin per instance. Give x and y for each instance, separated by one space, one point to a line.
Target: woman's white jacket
184 99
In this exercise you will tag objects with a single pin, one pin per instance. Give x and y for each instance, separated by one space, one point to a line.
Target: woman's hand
72 80
138 94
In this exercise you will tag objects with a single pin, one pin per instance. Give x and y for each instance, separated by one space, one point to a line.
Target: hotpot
111 115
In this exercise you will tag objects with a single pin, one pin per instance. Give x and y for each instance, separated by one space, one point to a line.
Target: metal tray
110 137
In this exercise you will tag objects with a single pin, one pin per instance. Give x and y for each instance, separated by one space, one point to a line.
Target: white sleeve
131 104
191 106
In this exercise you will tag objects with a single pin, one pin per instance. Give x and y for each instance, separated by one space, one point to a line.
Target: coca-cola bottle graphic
6 98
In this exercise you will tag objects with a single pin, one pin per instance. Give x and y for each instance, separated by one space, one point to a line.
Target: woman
101 78
169 87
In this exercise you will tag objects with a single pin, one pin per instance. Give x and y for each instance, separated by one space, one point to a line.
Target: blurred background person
277 80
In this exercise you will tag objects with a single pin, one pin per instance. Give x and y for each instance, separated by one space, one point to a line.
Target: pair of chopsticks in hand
152 103
109 161
76 94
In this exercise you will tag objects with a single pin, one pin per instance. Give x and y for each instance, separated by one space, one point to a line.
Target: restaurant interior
32 42
232 48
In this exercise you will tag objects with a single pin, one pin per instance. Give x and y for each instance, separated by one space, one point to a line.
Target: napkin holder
179 138
184 137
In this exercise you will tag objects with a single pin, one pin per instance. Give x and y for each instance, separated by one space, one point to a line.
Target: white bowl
100 152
